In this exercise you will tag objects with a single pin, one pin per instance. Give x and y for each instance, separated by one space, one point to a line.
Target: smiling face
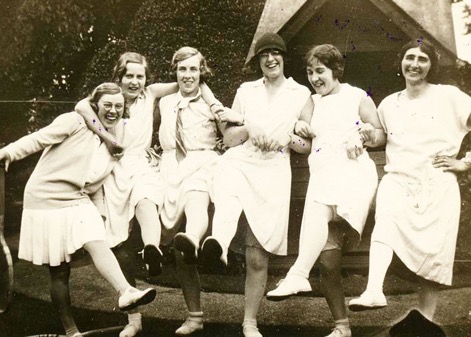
188 75
322 78
415 65
272 63
133 81
110 109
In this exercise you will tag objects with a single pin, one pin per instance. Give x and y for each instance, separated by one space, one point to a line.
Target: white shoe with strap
192 324
132 298
289 286
340 332
368 301
131 329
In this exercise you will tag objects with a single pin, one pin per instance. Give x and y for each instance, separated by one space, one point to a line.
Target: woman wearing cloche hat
255 176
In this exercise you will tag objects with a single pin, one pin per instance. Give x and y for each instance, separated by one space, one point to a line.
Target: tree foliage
221 29
48 48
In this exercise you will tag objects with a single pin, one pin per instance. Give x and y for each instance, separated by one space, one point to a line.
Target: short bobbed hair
185 53
330 56
427 48
130 57
107 88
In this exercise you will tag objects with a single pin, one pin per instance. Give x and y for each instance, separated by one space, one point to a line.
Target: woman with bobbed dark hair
342 181
418 201
58 216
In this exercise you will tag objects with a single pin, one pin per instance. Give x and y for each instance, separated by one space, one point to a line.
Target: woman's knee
144 205
60 272
256 258
329 262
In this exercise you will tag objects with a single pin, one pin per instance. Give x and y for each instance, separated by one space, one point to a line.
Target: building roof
431 19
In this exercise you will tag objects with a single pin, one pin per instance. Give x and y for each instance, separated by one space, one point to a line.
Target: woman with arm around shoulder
59 217
135 188
425 125
342 181
255 176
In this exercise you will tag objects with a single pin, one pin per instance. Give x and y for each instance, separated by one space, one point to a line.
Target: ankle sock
342 323
72 332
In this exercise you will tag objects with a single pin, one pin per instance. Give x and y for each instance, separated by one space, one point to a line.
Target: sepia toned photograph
235 168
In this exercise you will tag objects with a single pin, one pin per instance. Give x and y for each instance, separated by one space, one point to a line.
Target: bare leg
255 282
126 262
428 297
188 277
331 282
60 295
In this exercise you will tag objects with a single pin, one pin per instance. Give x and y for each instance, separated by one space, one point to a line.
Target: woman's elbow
234 135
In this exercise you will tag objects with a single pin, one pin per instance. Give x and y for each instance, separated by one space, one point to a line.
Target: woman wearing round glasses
58 216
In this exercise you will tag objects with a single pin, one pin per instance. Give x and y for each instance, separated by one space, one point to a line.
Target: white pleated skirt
51 236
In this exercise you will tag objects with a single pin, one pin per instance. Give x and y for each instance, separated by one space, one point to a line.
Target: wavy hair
185 53
330 56
107 88
130 57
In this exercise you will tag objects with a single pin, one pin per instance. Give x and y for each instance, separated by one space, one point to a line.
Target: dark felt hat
270 41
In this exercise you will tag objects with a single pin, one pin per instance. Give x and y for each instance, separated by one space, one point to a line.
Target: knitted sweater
60 176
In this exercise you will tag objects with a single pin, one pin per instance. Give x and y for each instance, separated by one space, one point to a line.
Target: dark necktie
180 151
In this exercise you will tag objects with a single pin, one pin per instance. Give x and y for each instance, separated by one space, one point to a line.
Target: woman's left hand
277 142
216 109
229 115
367 132
449 164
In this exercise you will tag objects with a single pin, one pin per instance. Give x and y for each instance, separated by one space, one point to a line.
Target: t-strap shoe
368 301
132 298
289 286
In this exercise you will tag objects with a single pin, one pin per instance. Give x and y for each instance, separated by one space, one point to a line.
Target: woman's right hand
115 149
257 136
5 157
303 129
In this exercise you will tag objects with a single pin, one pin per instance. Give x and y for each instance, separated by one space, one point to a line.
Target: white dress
195 171
262 182
347 184
133 179
418 206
